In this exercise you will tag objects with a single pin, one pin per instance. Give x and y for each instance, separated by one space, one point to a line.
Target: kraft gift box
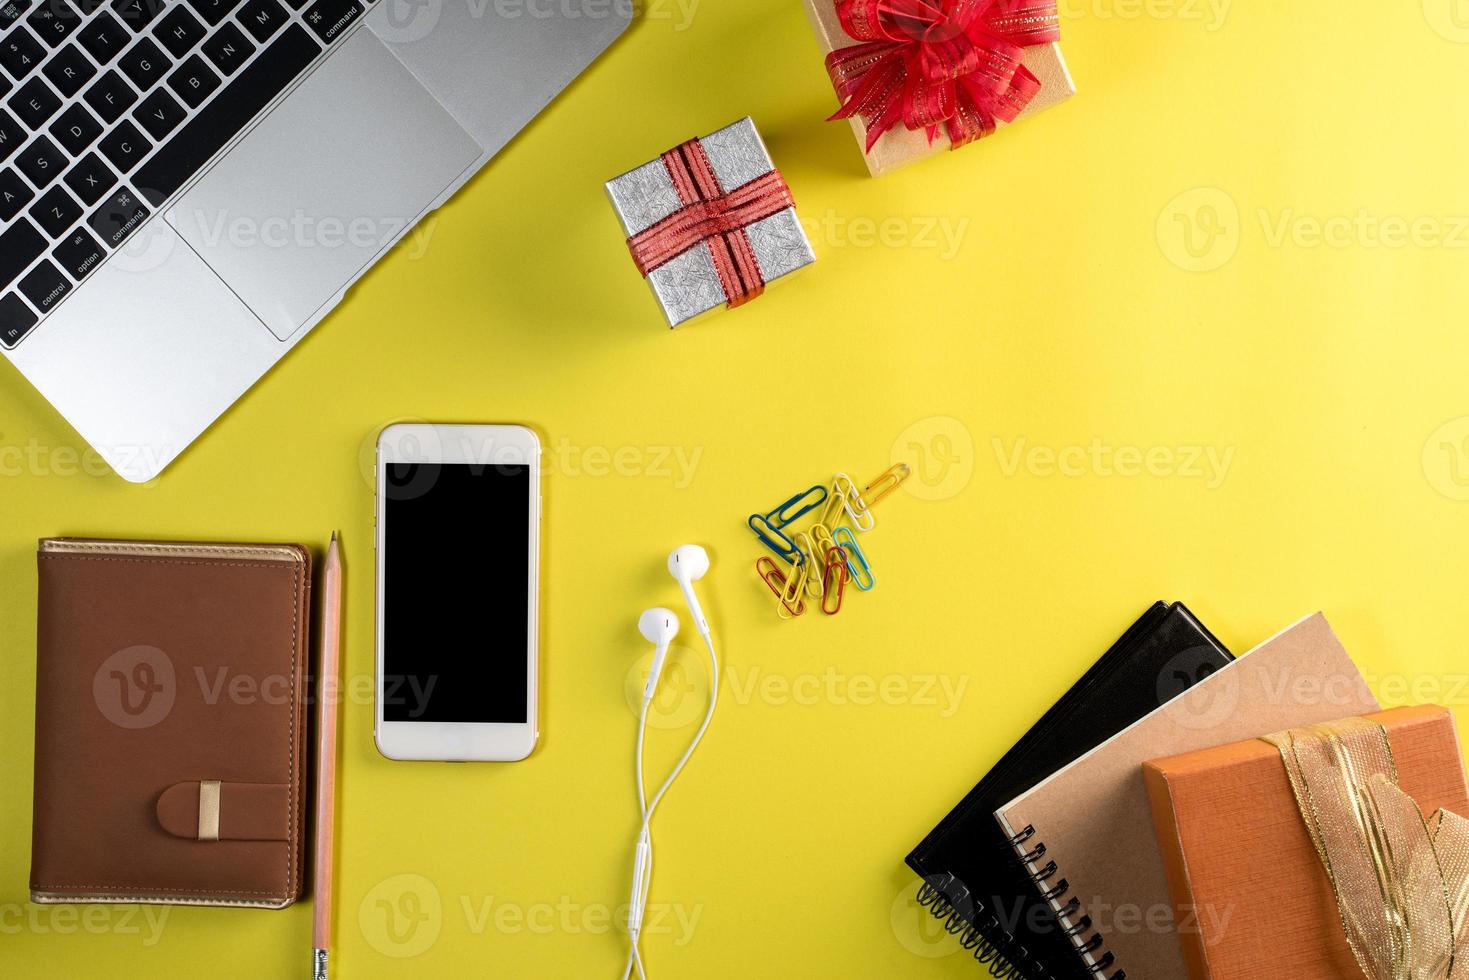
1250 893
901 146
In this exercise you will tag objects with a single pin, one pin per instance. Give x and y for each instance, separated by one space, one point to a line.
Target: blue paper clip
862 576
775 539
802 503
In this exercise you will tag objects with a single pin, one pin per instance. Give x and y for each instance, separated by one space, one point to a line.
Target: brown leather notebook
170 723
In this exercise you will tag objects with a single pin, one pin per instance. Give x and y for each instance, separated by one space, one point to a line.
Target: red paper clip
776 581
836 565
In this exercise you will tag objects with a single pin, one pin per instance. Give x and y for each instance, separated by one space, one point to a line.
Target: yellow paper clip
811 560
857 564
836 503
790 596
772 576
834 580
821 534
858 513
887 483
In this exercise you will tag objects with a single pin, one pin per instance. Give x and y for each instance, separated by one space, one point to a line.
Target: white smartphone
458 542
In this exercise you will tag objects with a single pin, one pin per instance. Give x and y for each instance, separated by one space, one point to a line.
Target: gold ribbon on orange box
1401 881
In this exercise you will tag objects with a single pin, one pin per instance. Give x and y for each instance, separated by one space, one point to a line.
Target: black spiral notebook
972 881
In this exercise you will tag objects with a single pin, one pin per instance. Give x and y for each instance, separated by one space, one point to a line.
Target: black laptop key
110 97
160 114
76 129
213 11
20 52
34 103
41 162
194 81
137 14
69 70
53 21
229 112
16 320
144 64
56 211
179 31
329 18
228 48
125 147
90 179
12 135
262 18
118 217
11 12
103 37
78 254
45 286
20 244
14 194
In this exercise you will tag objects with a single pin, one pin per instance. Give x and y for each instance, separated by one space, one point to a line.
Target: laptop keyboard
107 107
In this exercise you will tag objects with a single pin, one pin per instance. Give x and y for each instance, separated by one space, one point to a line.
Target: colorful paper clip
836 504
798 506
857 564
811 559
821 534
771 575
774 538
886 483
790 595
853 503
834 580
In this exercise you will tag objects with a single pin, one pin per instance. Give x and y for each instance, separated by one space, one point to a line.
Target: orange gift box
1250 894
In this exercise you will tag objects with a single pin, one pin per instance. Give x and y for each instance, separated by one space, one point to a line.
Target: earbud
659 626
688 563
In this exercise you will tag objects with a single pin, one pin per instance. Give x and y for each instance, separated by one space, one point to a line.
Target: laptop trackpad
315 193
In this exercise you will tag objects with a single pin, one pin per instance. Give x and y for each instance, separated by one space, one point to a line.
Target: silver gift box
687 285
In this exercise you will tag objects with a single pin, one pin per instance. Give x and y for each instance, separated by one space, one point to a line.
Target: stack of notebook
1048 869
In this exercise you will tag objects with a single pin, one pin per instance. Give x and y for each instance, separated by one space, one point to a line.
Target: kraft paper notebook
1086 832
170 714
972 882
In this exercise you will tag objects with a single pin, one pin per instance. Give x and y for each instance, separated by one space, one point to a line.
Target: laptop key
45 286
118 217
20 52
76 129
34 103
179 31
144 64
228 48
16 320
262 18
14 194
194 81
41 162
78 254
69 70
20 245
229 111
56 211
90 179
54 20
213 11
125 147
160 114
11 135
329 18
137 14
110 97
12 11
103 37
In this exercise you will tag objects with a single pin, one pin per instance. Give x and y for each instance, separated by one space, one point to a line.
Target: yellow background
1071 310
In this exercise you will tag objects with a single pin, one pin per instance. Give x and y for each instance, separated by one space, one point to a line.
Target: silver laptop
189 186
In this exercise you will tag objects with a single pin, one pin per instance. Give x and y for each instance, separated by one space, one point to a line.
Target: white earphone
659 626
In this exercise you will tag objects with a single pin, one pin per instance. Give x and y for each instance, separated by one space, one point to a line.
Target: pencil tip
334 537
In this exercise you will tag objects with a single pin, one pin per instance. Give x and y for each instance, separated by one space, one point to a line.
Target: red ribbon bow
713 215
932 63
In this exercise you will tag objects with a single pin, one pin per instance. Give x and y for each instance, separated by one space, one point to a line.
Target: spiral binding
1029 853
